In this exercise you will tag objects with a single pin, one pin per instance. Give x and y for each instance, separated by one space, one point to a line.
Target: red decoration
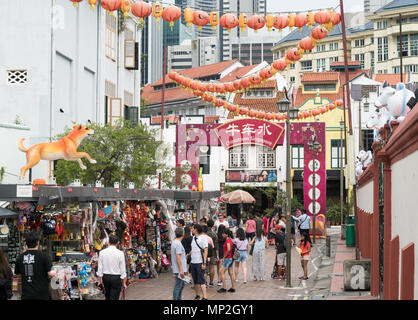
229 86
280 64
219 102
243 111
281 22
201 86
237 85
210 87
316 112
219 88
256 22
111 5
261 115
245 82
255 79
307 44
172 75
75 2
171 14
194 85
141 9
323 109
228 21
339 103
293 55
301 20
319 33
200 18
332 106
322 17
336 19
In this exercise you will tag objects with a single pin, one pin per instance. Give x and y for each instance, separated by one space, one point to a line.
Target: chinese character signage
249 132
243 176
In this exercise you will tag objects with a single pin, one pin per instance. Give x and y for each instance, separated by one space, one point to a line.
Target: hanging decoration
229 21
292 19
214 19
141 10
307 44
281 22
92 4
171 14
269 22
188 17
322 18
126 7
243 21
301 20
200 19
111 5
75 2
319 33
256 22
157 11
311 20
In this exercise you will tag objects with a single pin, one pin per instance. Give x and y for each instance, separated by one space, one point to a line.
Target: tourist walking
211 252
227 261
280 240
215 257
265 225
180 223
187 244
6 276
250 227
199 256
34 266
111 271
242 246
178 263
304 222
221 242
221 221
305 247
259 254
258 222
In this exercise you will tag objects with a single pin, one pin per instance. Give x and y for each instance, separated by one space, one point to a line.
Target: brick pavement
161 288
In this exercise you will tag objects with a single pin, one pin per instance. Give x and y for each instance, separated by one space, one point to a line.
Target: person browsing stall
199 256
34 266
178 263
111 270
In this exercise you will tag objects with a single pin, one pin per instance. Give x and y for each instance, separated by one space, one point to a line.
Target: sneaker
236 280
245 282
222 290
197 298
210 285
204 299
301 278
219 284
231 290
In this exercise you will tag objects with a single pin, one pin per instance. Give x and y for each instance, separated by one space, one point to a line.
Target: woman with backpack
6 276
227 261
259 253
242 246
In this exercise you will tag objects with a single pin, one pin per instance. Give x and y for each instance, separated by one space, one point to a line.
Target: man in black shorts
199 256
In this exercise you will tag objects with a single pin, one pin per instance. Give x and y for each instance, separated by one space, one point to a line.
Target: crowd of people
201 248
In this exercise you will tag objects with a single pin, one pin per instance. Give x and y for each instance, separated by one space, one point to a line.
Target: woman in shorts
242 245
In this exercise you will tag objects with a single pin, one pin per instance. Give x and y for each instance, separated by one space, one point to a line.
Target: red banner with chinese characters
249 132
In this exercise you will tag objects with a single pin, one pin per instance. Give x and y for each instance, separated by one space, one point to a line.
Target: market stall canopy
6 213
238 196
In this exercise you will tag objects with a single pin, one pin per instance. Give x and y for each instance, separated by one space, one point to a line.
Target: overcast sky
302 5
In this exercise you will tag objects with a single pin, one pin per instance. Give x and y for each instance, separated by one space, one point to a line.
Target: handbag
235 254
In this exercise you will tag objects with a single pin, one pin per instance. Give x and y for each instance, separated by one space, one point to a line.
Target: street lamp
342 126
284 106
314 146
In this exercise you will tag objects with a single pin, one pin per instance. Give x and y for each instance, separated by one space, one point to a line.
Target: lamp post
341 173
292 114
314 146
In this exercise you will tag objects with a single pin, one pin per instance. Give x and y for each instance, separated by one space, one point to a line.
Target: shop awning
6 213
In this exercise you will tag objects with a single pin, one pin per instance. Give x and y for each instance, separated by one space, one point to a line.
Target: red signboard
249 132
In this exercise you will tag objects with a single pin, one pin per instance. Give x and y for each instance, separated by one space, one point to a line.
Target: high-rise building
371 6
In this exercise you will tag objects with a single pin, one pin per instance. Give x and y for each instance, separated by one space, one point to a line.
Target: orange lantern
256 22
210 87
280 65
186 82
229 21
332 106
311 20
270 72
141 10
339 103
243 111
237 85
219 88
336 19
306 114
207 97
253 113
261 115
255 79
194 85
323 109
171 14
269 116
316 112
243 21
200 19
92 3
263 74
157 11
172 75
292 19
188 16
219 102
201 87
278 116
301 20
231 107
245 82
214 19
293 55
281 22
322 17
269 22
307 44
319 33
229 86
111 5
126 7
300 115
75 2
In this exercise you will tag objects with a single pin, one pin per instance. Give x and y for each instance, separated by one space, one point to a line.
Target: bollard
328 246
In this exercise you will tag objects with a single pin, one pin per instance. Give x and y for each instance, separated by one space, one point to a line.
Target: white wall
405 204
365 197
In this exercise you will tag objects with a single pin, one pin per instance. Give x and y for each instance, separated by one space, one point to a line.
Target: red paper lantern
280 64
228 21
194 85
322 17
319 33
301 20
210 87
200 19
186 82
261 115
208 97
300 115
278 116
141 10
75 2
172 75
237 85
255 79
243 111
316 112
336 19
331 106
111 5
306 114
293 55
231 107
263 74
256 22
245 82
171 14
307 44
201 87
219 102
252 113
323 109
219 88
339 103
281 22
229 86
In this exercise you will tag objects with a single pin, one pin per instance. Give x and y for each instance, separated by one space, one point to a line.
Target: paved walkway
161 288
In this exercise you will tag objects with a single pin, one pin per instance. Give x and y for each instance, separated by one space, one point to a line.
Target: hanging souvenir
281 22
141 10
301 20
322 18
307 44
171 14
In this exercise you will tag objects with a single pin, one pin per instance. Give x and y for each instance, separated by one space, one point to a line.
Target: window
336 46
17 76
320 65
372 40
292 66
131 114
323 47
238 157
360 57
110 37
412 68
318 48
298 157
359 43
382 25
292 79
306 65
382 49
333 59
331 46
336 155
204 159
368 139
320 87
372 60
266 157
396 69
414 44
404 45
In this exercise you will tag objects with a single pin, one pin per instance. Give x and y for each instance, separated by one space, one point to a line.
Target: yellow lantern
311 20
243 21
292 19
214 19
330 25
157 11
126 7
269 22
188 16
92 3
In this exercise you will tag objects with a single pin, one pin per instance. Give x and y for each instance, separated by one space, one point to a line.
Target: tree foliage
124 153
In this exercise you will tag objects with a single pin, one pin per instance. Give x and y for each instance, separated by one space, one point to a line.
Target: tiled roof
392 78
200 72
297 35
173 119
301 98
211 119
318 77
397 4
171 94
263 104
368 26
238 73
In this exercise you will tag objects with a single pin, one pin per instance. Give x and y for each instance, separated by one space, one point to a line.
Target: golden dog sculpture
319 225
65 148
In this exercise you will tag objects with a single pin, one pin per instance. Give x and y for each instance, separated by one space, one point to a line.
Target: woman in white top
221 221
242 246
259 254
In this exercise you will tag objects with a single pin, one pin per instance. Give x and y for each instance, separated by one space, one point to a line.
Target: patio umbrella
238 196
6 213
